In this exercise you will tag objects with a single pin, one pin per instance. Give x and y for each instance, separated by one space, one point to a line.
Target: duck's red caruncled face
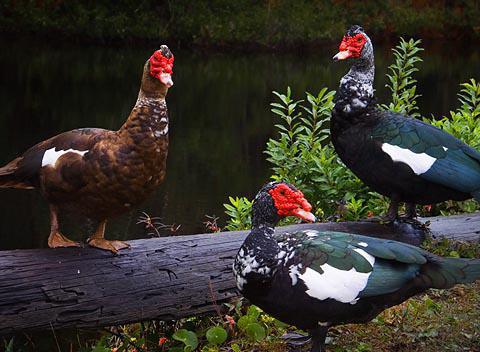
161 68
351 47
291 203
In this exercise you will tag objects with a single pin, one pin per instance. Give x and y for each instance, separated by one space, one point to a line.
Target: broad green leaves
189 339
216 335
250 325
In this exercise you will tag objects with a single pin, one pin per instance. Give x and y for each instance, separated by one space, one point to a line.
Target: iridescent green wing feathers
391 264
457 165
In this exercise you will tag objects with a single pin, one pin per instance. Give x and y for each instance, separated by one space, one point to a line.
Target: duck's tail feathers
448 272
9 177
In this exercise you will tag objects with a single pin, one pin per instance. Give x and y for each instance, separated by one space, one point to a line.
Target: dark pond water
220 119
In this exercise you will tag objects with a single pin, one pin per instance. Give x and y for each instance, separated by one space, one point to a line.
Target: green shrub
464 123
401 82
239 213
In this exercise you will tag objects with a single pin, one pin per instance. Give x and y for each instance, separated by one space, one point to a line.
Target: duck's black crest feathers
354 30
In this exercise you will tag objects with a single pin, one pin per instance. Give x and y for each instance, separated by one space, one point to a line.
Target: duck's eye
359 39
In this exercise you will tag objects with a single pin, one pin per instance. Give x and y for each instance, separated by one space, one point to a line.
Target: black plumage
398 156
315 280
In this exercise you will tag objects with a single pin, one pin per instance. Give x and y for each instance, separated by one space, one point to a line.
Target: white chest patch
51 156
418 162
358 103
340 285
159 133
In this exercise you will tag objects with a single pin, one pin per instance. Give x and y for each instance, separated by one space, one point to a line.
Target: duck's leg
98 240
392 212
411 211
56 239
319 336
390 216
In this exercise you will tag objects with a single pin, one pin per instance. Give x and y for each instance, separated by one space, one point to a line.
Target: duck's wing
430 152
347 267
23 171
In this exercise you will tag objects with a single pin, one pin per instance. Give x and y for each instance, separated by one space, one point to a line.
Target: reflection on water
219 119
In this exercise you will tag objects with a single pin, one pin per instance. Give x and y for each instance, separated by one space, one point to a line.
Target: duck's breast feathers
431 153
56 153
347 267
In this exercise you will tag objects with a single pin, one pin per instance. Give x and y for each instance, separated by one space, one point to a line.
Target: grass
440 320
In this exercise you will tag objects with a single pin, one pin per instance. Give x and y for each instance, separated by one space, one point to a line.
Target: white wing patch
51 156
340 285
418 162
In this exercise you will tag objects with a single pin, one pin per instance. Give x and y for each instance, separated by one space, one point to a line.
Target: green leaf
216 335
9 346
189 339
244 321
254 312
280 324
255 331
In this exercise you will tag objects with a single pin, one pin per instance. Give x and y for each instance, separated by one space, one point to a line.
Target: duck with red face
351 46
318 279
396 155
99 174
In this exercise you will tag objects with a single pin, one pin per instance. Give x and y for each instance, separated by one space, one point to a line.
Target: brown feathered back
8 179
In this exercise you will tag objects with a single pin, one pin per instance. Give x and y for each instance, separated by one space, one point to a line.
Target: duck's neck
261 245
355 94
148 119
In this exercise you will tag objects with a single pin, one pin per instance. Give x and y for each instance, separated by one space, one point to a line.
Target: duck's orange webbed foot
98 241
56 239
108 245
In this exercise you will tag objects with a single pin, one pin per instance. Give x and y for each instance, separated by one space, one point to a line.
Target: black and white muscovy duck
398 156
315 280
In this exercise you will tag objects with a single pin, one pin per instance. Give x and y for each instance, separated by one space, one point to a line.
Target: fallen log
162 278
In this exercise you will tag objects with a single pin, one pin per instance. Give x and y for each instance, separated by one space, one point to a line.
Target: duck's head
277 200
157 73
355 45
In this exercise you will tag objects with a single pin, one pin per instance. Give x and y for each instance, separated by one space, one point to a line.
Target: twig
214 300
153 223
55 337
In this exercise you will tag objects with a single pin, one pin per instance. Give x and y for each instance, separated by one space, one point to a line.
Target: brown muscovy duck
319 279
100 173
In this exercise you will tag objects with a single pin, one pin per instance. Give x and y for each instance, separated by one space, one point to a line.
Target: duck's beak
304 211
304 215
342 55
166 79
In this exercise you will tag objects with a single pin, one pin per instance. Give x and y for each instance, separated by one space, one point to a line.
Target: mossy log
161 278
